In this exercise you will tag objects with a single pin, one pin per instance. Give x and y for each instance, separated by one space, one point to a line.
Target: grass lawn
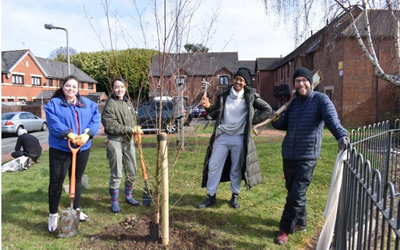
253 226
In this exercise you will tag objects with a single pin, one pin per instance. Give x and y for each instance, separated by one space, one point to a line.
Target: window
50 82
82 85
224 80
90 85
18 79
329 91
36 81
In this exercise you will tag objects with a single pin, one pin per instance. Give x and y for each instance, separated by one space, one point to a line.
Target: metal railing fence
368 215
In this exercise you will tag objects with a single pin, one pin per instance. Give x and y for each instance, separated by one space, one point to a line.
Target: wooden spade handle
72 182
138 140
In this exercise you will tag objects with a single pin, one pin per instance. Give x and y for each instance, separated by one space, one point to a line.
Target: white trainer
53 222
82 216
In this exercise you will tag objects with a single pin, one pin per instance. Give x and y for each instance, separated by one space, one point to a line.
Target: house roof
10 59
199 64
98 94
382 23
265 63
59 70
341 27
45 94
50 68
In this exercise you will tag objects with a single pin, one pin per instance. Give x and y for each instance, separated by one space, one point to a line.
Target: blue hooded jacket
63 117
303 122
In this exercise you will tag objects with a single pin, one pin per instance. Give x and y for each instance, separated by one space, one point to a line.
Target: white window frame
36 81
221 82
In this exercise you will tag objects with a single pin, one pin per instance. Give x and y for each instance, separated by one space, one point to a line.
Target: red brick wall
28 68
360 98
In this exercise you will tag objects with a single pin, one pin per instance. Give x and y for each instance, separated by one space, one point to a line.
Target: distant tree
60 54
130 64
193 48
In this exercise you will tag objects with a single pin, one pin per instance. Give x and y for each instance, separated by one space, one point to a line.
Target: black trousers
17 154
60 164
298 175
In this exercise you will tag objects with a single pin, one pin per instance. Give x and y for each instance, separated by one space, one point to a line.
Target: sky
238 26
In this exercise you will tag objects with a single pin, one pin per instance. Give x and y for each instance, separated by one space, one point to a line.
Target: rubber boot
128 196
114 193
210 201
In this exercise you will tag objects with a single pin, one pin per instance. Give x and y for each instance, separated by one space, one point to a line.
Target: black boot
234 201
210 201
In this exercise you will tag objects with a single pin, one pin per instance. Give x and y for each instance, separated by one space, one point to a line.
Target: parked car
198 112
12 122
148 115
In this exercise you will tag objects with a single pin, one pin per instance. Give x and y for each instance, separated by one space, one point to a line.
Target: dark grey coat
258 111
118 119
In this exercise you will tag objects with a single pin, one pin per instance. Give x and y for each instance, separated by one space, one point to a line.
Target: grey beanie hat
303 72
245 73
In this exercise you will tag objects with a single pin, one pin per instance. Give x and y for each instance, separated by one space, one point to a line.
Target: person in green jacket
120 126
231 154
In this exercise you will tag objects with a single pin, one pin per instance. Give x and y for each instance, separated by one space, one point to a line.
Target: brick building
359 96
194 69
29 79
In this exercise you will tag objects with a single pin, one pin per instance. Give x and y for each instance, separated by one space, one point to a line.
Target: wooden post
162 138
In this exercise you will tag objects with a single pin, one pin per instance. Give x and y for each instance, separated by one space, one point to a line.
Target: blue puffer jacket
304 121
63 117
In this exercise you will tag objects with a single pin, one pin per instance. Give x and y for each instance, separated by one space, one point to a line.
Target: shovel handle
138 140
72 181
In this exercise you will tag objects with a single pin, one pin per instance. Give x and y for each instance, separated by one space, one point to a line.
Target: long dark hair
59 91
118 79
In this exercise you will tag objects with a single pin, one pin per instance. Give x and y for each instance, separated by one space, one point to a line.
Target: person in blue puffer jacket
303 122
70 117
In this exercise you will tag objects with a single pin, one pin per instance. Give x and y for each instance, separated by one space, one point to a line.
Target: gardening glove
137 130
343 142
72 137
82 139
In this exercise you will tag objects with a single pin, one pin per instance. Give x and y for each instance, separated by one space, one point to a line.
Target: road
8 142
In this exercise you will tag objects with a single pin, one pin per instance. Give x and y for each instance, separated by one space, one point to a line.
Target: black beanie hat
305 73
245 73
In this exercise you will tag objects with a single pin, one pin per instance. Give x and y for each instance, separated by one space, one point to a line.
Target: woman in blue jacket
69 117
303 122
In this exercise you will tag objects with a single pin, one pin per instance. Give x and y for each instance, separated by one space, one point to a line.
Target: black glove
343 142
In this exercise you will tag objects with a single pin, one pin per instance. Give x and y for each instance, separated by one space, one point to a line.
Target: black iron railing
368 215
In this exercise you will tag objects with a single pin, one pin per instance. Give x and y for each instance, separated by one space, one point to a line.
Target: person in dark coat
303 122
231 154
30 146
120 126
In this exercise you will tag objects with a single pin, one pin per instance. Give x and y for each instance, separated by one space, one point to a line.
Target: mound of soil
134 233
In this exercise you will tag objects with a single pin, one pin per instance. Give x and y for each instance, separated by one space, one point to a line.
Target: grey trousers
121 156
224 144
